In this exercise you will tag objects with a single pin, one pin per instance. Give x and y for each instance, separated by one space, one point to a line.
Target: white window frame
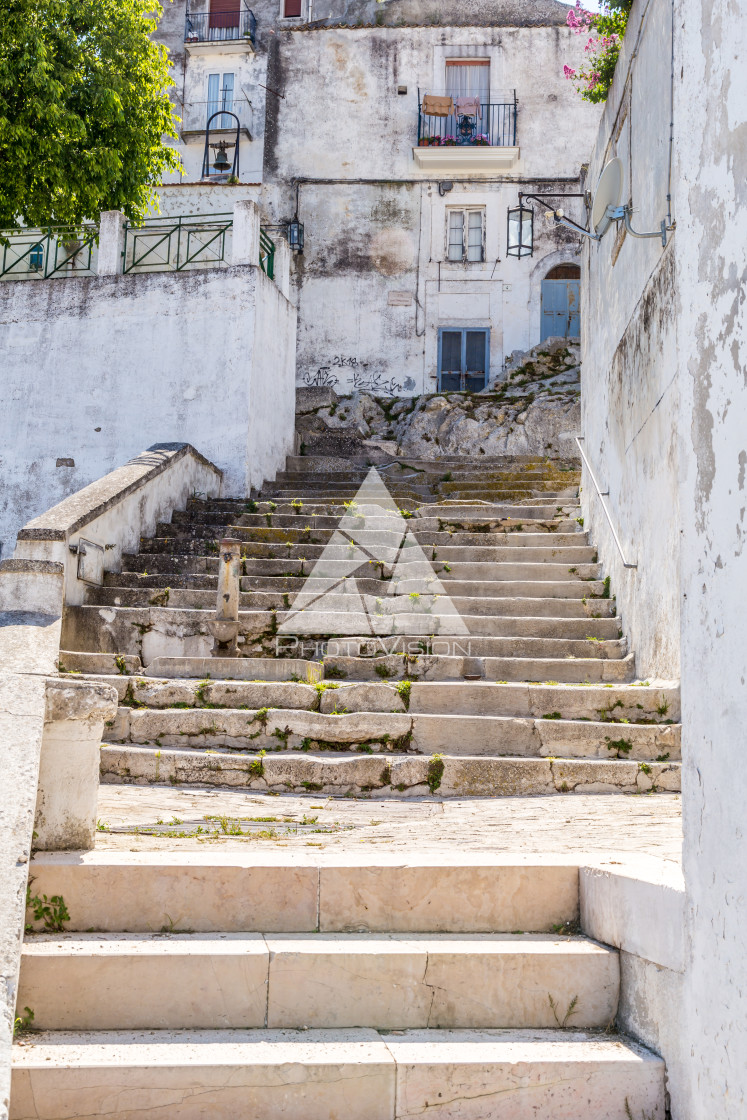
466 211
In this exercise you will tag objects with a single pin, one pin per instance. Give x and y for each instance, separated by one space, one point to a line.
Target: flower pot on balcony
424 142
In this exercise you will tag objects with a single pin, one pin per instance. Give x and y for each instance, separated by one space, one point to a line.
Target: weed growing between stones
23 1024
570 1012
435 772
52 912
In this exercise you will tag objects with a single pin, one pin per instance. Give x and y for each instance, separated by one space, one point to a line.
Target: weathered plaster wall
665 342
376 226
712 233
96 368
630 395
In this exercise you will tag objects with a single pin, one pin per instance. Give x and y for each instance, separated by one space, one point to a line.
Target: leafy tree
84 108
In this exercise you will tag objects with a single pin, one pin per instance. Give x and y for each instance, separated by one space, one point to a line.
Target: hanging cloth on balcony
434 106
468 107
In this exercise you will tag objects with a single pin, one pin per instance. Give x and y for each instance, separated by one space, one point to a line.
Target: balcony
231 30
453 139
195 115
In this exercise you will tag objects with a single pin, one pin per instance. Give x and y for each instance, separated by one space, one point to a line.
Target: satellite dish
608 193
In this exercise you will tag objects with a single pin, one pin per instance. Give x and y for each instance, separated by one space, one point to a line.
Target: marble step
392 981
338 772
213 890
355 1074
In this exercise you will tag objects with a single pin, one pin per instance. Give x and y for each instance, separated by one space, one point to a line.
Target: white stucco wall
629 393
95 369
663 414
713 565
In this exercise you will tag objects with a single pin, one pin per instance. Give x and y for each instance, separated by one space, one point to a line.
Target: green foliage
52 912
84 108
435 772
605 32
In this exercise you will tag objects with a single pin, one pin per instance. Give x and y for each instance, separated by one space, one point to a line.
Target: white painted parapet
86 534
111 242
282 265
245 236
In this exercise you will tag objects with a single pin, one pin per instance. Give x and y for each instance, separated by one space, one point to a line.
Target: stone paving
598 824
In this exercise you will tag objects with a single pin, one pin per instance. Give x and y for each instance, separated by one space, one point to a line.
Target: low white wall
95 368
113 513
638 905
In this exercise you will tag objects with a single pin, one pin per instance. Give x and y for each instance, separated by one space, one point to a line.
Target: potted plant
425 141
449 141
482 140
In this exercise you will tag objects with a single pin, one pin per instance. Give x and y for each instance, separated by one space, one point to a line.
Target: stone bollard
225 626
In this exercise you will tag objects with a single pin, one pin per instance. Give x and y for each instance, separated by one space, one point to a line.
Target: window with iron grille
465 234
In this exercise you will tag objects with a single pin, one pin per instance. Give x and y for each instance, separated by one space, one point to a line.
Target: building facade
400 134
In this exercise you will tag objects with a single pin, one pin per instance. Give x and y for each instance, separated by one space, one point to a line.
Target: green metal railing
38 254
173 244
267 254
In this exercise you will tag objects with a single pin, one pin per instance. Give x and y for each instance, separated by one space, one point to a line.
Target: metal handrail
602 496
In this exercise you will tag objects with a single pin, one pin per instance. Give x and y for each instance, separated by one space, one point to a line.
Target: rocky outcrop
533 410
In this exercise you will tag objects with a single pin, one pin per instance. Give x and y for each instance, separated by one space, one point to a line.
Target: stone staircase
318 988
544 701
209 984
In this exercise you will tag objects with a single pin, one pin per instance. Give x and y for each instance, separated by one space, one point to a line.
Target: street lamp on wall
520 231
295 234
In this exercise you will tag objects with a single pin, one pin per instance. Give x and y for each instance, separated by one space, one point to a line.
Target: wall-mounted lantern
295 234
520 230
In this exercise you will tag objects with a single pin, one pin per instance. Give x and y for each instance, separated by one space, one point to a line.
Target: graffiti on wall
347 374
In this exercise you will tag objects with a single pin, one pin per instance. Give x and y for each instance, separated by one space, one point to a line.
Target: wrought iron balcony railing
214 27
494 124
38 254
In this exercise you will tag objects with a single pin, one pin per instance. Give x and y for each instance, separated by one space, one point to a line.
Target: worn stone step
497 571
384 546
295 723
303 533
614 706
419 667
197 599
357 1074
342 774
219 891
386 981
158 631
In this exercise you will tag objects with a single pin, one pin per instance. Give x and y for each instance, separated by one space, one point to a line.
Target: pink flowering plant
605 31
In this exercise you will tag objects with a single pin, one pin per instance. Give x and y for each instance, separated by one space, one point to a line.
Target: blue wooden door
560 309
463 359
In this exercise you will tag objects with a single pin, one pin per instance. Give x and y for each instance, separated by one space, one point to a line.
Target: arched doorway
560 302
